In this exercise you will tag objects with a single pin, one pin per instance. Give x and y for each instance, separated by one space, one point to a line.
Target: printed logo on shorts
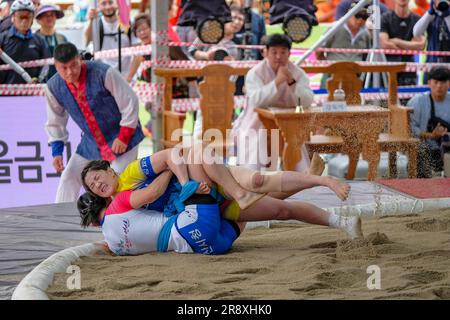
188 217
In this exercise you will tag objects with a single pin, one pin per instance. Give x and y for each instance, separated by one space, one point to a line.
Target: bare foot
317 165
342 189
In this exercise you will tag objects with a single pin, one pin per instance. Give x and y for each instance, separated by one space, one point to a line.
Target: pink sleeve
120 204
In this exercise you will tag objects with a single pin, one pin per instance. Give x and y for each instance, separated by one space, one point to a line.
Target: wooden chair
345 74
216 100
217 104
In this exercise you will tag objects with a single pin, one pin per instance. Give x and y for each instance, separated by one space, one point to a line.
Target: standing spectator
437 26
142 29
353 35
21 44
430 130
108 27
46 16
397 33
105 108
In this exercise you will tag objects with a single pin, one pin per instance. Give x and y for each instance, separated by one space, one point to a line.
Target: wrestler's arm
152 192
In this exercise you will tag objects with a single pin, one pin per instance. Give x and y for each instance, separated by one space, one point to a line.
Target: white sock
351 225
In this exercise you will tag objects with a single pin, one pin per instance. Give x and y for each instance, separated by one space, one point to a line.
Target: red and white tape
22 89
144 90
146 50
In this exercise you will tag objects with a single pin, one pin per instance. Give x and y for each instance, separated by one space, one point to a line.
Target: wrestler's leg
220 175
274 209
170 159
282 184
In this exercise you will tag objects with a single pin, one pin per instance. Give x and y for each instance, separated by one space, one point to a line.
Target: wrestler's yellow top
132 177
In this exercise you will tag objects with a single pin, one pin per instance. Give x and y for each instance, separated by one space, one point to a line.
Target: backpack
102 33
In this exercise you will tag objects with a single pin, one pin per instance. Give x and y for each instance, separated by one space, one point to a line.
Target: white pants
70 182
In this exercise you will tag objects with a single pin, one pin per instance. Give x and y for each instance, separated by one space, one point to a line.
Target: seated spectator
431 121
354 35
199 52
397 33
437 26
46 16
274 82
258 30
22 45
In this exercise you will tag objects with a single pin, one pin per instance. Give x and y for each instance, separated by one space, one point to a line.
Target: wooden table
359 127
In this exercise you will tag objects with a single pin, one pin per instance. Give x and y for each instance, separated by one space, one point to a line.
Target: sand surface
287 261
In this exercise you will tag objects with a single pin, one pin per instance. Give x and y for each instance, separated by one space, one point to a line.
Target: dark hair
89 206
439 74
65 52
237 8
140 19
279 40
264 40
363 13
94 165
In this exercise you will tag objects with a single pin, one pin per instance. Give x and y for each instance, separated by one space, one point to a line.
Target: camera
220 54
85 55
442 5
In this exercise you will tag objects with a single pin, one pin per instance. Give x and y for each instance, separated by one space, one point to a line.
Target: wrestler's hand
203 188
58 164
118 146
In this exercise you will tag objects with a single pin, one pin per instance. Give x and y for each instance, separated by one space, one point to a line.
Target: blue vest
103 106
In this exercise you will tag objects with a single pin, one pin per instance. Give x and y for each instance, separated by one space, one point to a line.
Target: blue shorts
202 226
